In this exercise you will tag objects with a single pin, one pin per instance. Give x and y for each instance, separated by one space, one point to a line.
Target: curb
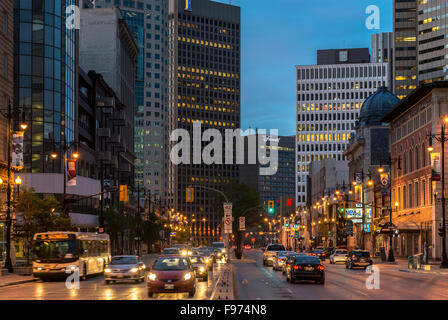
17 282
423 272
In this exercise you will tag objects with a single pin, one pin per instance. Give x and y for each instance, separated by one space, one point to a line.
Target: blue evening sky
277 35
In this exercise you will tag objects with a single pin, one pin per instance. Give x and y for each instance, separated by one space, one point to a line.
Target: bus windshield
55 249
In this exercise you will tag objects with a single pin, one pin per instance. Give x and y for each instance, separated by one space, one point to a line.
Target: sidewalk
14 279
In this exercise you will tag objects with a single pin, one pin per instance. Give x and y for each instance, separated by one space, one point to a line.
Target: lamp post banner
384 183
17 149
435 166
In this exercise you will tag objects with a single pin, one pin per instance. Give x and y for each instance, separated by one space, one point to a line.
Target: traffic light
124 193
189 197
441 232
342 207
271 207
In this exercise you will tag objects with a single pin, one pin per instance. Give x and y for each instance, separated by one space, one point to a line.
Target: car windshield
218 245
167 264
276 247
305 259
362 254
170 251
51 249
341 251
196 259
124 260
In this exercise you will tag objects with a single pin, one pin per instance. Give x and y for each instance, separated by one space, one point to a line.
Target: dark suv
358 258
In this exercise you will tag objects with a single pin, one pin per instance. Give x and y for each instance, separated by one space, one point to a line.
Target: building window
5 23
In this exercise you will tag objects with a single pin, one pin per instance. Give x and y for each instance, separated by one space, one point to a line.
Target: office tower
205 78
383 50
45 79
148 22
329 98
6 96
108 47
405 66
279 186
6 75
432 41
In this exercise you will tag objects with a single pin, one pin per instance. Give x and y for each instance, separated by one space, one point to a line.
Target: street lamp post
23 126
390 257
75 155
442 138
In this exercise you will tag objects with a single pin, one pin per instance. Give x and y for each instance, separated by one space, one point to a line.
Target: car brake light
353 256
297 267
266 254
320 267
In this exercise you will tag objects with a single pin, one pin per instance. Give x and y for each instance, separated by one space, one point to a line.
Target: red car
171 274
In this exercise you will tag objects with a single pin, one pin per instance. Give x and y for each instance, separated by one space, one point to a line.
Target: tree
246 201
34 215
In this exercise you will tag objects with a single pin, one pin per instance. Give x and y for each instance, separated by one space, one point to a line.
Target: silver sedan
125 268
338 256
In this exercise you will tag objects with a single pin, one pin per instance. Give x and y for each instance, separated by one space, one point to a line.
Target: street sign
329 233
242 223
228 217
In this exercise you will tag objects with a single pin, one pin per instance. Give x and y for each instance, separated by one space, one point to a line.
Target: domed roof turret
376 106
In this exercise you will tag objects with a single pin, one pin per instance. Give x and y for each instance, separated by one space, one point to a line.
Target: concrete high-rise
205 87
405 66
148 22
328 101
383 50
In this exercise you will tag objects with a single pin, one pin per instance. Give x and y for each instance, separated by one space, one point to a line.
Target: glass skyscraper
148 22
45 79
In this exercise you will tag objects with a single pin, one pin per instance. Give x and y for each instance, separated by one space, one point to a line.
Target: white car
339 255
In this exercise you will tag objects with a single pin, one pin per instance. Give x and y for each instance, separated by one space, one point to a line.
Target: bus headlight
187 276
152 277
134 270
107 270
201 269
184 253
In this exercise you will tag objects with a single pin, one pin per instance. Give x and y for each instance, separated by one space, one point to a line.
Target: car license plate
169 286
119 276
309 268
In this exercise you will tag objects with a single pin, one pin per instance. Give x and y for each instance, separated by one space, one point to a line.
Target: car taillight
279 260
297 267
266 254
320 267
353 256
313 254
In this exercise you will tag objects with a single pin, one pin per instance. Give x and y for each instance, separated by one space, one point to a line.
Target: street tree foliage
126 224
34 215
246 201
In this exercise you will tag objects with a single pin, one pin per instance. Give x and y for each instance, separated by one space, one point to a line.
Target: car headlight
107 270
207 260
223 250
184 253
187 276
39 268
152 276
134 270
189 253
201 269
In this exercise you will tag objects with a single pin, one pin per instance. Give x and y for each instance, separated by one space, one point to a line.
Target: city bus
56 254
